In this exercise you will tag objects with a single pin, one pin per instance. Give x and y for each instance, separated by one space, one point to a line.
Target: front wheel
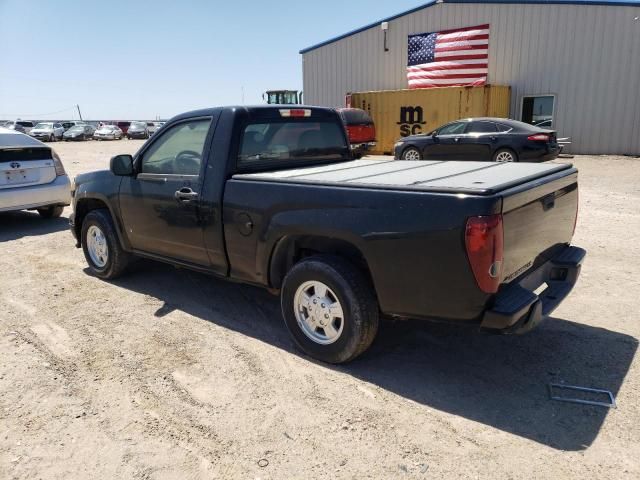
505 155
52 138
102 250
329 308
51 212
411 153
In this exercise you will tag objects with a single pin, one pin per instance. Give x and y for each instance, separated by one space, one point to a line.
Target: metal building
576 61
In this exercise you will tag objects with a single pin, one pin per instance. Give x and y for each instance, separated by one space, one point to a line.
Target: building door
538 110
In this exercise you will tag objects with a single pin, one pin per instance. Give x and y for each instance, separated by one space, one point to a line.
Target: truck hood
475 178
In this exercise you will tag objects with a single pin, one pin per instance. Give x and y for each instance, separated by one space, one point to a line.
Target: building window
538 110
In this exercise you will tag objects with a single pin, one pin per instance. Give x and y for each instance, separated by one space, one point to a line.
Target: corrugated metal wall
587 56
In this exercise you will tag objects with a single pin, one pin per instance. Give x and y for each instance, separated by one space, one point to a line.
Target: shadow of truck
499 381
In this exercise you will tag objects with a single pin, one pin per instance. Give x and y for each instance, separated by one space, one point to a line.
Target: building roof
625 3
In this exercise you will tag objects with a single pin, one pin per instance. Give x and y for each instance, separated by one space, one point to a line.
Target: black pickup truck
272 197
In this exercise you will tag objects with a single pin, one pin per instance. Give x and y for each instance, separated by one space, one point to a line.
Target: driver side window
178 151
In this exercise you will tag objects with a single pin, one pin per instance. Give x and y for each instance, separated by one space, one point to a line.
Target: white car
50 131
108 132
23 126
32 176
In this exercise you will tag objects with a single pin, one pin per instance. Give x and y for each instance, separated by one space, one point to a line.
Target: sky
142 59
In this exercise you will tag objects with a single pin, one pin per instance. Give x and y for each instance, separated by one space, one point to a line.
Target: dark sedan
481 139
138 130
79 132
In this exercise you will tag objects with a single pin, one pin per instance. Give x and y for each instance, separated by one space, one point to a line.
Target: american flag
449 58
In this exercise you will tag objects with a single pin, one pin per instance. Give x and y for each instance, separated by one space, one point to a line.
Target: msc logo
411 120
14 165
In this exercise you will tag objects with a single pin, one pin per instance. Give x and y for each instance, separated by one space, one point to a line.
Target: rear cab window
291 141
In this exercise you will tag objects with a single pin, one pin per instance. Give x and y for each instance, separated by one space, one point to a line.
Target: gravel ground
167 373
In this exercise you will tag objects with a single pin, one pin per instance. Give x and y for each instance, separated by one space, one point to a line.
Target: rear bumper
57 192
552 154
517 309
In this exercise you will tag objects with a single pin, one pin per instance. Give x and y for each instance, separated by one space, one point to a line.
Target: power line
36 114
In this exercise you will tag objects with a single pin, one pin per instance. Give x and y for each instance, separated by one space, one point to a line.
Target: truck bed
475 178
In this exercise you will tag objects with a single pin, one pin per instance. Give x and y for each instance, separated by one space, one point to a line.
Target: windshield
138 125
44 126
77 128
291 142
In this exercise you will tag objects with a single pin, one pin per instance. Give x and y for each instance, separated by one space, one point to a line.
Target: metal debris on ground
610 404
263 462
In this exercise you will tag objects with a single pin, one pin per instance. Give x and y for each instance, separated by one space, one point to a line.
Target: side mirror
434 134
122 165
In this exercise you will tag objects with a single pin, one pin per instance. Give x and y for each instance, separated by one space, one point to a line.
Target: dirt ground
167 373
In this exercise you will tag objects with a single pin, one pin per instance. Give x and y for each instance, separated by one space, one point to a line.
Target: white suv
31 176
51 131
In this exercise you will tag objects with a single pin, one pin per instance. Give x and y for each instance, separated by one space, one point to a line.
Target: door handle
185 195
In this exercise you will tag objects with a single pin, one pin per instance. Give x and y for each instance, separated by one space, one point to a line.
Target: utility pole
80 114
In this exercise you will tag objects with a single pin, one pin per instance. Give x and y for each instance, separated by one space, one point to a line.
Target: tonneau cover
476 178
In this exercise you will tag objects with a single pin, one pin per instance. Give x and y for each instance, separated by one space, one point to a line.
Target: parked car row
52 131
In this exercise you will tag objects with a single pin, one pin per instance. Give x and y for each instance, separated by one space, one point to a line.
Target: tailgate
538 220
24 167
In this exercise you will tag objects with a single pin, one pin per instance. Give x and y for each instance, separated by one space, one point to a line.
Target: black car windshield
286 142
137 125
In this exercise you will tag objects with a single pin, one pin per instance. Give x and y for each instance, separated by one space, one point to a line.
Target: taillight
57 164
539 137
484 240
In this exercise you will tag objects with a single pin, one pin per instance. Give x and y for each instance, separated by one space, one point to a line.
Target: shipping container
399 113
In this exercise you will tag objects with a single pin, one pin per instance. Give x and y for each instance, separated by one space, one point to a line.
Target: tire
505 155
115 258
350 289
51 212
411 153
52 138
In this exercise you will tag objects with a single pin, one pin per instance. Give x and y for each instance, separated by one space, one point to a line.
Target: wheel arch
290 249
415 147
87 204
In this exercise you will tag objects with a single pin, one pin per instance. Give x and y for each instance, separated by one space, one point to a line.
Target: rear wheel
51 212
101 247
329 308
411 153
505 155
